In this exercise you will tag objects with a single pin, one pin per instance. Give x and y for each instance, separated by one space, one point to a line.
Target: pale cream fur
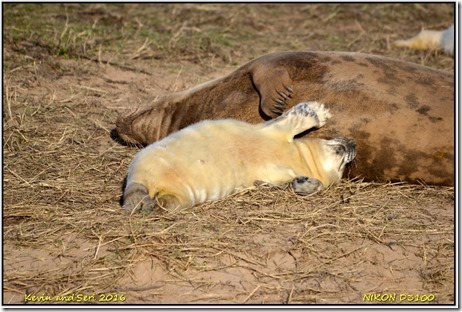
431 39
212 159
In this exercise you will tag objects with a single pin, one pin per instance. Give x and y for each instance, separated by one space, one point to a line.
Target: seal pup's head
327 159
340 152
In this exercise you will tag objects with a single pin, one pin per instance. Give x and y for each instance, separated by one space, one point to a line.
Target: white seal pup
215 158
431 39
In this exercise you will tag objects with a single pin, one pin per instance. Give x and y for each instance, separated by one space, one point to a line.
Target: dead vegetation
68 68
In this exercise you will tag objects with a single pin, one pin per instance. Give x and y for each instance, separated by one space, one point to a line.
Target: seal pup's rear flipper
299 118
136 197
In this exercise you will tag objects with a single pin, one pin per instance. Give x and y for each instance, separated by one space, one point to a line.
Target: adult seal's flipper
274 87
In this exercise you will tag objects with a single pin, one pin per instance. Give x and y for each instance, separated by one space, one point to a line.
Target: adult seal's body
215 158
400 114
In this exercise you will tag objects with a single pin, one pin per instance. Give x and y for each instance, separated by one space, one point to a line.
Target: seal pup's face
326 159
338 153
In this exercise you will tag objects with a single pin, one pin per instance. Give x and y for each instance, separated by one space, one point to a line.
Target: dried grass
64 232
326 235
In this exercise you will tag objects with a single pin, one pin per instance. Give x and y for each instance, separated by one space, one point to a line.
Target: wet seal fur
215 158
400 114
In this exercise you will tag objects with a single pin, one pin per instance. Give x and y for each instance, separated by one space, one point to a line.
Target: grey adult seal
400 114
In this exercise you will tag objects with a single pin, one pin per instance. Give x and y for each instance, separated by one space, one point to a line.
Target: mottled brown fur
400 114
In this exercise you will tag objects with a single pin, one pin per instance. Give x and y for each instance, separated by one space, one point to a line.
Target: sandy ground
67 74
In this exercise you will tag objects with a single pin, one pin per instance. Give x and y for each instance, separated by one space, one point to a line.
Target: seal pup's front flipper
299 118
